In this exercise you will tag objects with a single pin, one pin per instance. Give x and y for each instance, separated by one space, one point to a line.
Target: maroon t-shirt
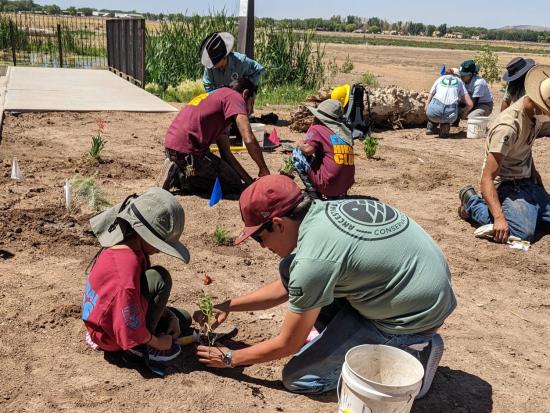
333 170
113 308
195 128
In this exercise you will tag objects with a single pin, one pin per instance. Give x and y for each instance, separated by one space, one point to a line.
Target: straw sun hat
537 86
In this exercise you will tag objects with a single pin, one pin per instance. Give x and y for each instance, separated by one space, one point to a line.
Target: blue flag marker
442 70
216 193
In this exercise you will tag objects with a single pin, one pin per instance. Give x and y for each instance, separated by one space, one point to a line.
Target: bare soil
496 357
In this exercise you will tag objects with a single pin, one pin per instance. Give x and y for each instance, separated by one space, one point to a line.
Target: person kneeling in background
324 159
442 105
124 305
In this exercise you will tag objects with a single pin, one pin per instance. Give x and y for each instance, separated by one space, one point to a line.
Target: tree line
337 23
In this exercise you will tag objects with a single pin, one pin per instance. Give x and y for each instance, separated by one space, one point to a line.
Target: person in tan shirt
513 197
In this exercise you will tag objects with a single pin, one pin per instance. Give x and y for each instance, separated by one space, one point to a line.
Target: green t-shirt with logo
389 269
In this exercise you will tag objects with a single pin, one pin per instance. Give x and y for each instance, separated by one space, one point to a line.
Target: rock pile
391 107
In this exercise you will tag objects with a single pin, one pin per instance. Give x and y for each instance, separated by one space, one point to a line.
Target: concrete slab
77 90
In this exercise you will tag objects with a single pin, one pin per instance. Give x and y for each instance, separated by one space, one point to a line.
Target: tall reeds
171 51
290 57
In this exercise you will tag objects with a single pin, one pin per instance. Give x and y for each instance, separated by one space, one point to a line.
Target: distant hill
525 27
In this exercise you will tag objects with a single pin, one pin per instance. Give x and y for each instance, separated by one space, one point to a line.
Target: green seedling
98 143
87 190
288 167
370 145
207 308
222 237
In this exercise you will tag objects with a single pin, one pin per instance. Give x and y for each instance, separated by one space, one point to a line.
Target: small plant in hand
98 142
222 237
288 167
370 145
207 308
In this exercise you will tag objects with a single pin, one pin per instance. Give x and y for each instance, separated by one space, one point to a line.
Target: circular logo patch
449 82
366 219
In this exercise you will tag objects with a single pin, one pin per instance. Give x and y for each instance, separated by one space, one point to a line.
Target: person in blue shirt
478 89
222 66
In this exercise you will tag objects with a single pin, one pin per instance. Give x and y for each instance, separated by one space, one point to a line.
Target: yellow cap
341 93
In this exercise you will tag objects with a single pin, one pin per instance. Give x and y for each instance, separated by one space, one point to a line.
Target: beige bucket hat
156 216
331 113
537 86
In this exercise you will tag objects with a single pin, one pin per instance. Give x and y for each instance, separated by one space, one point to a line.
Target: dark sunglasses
268 226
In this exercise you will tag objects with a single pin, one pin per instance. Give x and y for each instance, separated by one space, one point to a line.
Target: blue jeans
438 112
524 203
317 366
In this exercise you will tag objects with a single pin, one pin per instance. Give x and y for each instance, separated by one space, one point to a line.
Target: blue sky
486 13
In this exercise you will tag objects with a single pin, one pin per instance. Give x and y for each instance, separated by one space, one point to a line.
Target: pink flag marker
272 140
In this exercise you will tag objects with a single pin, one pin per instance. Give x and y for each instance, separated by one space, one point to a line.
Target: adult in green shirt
222 66
357 270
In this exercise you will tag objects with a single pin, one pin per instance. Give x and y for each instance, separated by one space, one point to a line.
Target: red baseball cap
269 197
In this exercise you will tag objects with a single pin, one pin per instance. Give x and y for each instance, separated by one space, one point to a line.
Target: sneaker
157 355
430 129
430 357
485 232
444 129
167 175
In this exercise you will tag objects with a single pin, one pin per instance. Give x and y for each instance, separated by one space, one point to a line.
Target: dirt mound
44 228
391 107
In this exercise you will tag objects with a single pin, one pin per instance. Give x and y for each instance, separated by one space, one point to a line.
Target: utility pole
246 28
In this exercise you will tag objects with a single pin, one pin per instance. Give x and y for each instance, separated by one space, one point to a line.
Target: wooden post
246 28
60 45
12 41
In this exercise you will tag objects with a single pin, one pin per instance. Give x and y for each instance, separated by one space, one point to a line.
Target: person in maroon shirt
324 159
190 165
124 305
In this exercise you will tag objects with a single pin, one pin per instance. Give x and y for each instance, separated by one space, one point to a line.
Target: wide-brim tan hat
537 86
156 216
331 113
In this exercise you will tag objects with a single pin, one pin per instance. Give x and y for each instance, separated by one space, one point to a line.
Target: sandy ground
407 67
496 357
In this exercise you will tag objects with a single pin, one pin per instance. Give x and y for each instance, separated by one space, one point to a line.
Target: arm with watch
294 331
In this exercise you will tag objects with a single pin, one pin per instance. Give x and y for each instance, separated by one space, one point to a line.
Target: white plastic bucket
378 379
477 127
258 129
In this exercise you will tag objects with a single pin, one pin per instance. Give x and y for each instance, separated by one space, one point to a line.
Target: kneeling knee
162 277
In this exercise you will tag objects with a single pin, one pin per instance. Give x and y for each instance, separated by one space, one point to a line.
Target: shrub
489 68
184 92
370 145
347 66
369 79
87 189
